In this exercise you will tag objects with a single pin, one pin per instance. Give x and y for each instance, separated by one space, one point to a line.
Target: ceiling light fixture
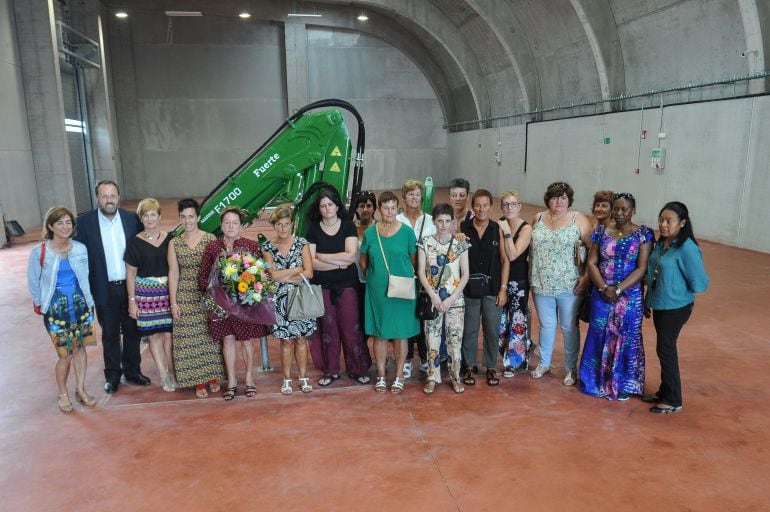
362 16
244 15
183 13
121 14
295 14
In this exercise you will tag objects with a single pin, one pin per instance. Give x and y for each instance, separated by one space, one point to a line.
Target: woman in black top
334 247
485 293
513 342
146 260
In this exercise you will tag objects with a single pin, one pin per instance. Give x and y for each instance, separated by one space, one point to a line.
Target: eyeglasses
511 204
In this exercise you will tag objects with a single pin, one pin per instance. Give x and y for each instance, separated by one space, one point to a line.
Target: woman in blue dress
612 365
57 276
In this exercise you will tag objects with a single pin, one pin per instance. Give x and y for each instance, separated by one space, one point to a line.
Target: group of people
475 273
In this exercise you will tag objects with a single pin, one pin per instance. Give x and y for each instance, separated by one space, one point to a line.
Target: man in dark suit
104 232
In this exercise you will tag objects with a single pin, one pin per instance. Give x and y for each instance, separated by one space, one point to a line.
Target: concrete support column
39 59
295 49
87 17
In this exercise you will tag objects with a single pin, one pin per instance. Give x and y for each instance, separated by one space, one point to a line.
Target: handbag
398 287
579 255
35 307
425 309
305 301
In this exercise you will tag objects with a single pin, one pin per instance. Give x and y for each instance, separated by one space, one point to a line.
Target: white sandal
286 388
305 385
380 387
397 386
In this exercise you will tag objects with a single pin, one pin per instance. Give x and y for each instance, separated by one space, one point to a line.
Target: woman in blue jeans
555 278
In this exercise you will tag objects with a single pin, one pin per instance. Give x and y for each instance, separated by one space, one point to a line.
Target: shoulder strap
446 260
387 269
421 227
516 234
42 254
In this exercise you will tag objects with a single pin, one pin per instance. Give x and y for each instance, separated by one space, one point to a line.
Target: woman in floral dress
291 263
197 358
513 340
612 365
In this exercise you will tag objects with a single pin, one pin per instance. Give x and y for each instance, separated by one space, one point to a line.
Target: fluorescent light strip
184 13
75 129
303 15
73 122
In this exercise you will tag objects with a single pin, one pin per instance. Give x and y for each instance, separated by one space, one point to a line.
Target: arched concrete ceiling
487 58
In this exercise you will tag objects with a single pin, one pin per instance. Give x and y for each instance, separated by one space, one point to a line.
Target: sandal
458 388
397 386
327 379
305 386
84 398
250 391
429 388
214 386
229 393
64 403
662 408
492 379
508 372
200 391
469 380
363 379
381 387
286 388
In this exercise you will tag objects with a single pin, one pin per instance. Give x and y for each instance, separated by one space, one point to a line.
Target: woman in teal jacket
675 274
57 277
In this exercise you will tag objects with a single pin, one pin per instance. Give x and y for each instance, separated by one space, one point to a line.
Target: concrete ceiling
487 58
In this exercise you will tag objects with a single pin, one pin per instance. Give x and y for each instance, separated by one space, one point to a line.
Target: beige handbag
398 287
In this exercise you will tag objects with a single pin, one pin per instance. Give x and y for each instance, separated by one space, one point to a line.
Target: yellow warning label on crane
335 167
336 151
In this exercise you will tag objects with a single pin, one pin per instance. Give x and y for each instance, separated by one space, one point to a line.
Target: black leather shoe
110 387
140 379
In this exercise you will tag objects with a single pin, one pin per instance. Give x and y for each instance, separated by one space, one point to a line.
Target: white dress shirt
114 244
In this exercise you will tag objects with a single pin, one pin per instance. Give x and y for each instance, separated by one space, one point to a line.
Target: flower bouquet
241 287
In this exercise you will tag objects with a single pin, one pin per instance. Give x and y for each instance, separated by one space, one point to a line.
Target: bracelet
132 299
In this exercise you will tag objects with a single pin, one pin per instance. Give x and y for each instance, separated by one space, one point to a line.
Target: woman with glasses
675 274
291 263
513 339
555 276
612 365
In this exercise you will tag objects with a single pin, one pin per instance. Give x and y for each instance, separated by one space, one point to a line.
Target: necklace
385 229
148 236
330 225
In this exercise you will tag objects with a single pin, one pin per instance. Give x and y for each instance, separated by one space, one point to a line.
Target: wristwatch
507 235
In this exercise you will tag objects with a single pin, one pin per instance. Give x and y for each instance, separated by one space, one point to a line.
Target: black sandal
229 393
327 379
250 391
492 379
469 380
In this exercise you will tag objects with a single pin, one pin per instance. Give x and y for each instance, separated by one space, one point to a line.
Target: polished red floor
525 445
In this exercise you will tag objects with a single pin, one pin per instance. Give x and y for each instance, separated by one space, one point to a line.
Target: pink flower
258 286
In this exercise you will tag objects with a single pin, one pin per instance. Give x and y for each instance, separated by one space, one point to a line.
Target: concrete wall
18 187
717 162
194 100
401 113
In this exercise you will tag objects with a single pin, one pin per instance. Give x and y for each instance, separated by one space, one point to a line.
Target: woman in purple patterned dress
612 365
